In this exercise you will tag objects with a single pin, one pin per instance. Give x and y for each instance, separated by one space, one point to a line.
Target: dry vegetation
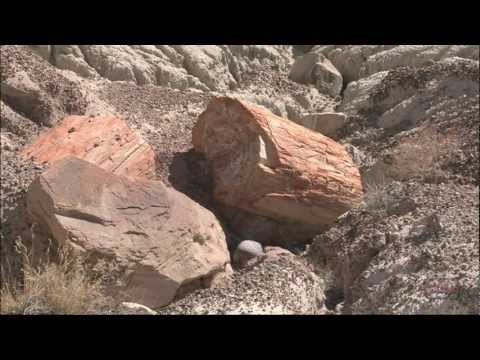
52 286
376 195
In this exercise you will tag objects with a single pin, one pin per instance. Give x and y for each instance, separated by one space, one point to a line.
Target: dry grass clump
376 194
52 287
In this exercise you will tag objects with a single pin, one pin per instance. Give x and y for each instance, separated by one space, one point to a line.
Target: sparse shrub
52 287
376 193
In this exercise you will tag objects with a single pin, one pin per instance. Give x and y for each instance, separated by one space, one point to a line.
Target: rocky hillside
321 179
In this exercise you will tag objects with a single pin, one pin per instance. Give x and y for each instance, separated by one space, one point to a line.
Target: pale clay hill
244 179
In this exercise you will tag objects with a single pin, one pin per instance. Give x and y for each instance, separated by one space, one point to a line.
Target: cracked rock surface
104 141
270 166
159 238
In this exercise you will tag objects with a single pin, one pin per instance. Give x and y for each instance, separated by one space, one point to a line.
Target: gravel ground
276 285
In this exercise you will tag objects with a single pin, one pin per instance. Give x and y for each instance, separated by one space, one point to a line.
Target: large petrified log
270 166
161 240
104 141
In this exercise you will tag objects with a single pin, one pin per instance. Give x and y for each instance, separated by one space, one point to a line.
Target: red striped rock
104 141
270 166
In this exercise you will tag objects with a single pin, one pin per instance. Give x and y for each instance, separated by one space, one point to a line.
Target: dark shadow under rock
190 174
292 236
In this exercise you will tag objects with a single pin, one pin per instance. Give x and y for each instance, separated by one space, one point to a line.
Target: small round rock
247 250
134 308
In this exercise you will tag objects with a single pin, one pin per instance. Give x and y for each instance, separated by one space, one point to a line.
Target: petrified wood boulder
104 141
270 166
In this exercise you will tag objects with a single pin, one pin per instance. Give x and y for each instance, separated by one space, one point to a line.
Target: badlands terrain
239 179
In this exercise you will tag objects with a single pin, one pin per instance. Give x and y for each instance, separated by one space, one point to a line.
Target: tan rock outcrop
159 238
270 166
327 123
315 68
104 141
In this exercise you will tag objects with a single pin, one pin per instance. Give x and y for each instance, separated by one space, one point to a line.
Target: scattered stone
403 207
427 228
136 309
247 250
21 93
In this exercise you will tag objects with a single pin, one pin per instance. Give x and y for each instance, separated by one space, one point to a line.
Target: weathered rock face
160 239
421 259
31 87
104 141
16 124
404 96
204 67
257 72
358 61
281 284
273 167
22 92
315 68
